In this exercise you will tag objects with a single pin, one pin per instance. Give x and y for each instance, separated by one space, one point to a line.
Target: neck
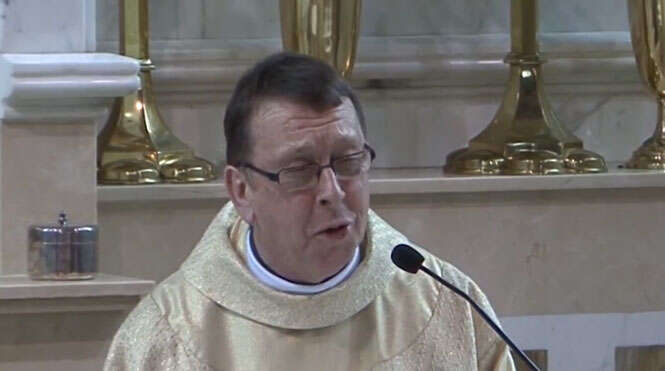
294 273
264 273
252 246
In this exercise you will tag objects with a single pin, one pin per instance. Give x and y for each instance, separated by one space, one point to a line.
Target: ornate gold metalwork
525 137
325 29
136 147
647 29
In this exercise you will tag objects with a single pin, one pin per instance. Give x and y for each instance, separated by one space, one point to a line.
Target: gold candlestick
647 28
324 29
136 147
525 137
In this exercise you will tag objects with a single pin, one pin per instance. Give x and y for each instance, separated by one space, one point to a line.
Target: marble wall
257 19
69 26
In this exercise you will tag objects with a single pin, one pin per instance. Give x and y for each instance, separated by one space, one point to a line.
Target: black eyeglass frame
275 176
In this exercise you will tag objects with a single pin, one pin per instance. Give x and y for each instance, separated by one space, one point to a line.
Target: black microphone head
407 258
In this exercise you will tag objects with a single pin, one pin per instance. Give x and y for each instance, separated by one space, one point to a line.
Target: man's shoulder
433 312
142 318
149 315
146 338
137 335
448 271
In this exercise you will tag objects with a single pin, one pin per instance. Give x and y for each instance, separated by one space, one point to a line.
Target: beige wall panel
557 252
151 239
56 341
40 178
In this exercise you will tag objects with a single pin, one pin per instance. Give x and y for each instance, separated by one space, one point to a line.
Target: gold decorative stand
647 27
525 137
136 147
324 29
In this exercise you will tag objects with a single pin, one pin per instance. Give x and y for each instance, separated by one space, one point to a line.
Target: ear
240 192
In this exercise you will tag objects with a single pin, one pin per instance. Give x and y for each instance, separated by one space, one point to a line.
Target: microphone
410 260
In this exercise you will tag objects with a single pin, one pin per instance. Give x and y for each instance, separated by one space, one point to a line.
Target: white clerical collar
265 276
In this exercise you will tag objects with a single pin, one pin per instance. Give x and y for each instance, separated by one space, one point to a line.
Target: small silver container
62 252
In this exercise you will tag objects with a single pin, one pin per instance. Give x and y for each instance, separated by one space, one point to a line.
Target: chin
334 258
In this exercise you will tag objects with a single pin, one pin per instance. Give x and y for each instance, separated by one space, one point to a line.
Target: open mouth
336 232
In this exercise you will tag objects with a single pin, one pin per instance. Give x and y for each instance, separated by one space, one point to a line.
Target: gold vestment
212 314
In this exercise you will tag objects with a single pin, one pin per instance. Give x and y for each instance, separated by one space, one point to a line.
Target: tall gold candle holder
324 29
647 28
135 146
525 137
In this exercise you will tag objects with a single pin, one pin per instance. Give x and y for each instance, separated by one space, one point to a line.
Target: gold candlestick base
525 162
651 155
525 137
136 147
647 25
129 172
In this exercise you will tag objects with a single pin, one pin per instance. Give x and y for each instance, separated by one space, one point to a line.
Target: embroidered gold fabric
212 314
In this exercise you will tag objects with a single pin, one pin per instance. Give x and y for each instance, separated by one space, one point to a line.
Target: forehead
280 120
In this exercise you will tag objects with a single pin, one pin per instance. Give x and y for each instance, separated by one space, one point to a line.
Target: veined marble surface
256 19
426 60
69 26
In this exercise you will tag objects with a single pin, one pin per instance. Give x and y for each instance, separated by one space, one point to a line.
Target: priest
294 273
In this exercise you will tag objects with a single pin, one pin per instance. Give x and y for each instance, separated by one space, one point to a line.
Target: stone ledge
412 181
13 287
20 295
65 305
62 87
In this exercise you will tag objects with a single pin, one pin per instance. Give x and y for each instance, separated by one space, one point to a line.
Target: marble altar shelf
411 181
22 287
63 87
20 294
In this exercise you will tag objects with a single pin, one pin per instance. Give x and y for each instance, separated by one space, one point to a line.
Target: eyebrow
308 149
294 123
304 150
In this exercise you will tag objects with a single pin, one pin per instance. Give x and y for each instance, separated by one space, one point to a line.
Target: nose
328 190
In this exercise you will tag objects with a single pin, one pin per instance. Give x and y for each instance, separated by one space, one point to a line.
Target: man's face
306 235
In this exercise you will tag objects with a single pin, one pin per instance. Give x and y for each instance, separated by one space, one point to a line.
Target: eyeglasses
307 176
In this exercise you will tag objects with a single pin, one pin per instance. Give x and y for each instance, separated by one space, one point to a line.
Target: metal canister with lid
62 251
